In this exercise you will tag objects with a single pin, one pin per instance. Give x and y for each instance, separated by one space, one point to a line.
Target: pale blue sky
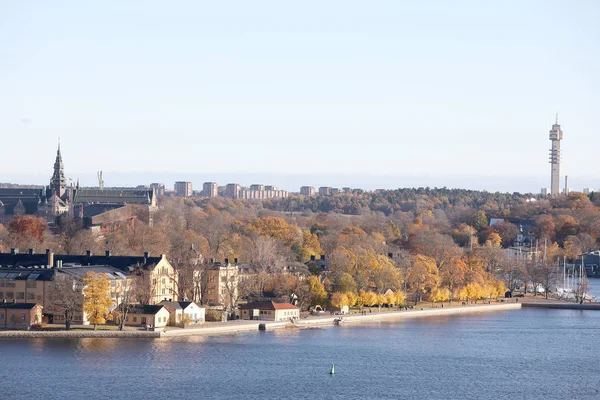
321 88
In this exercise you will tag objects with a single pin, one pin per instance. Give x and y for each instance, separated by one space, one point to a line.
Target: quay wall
79 334
563 306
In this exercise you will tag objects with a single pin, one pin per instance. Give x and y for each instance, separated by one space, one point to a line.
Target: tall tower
58 183
556 135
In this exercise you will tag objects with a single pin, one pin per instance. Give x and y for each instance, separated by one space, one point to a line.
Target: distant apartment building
545 191
210 189
159 188
263 194
307 191
271 187
183 189
232 190
257 187
325 191
587 190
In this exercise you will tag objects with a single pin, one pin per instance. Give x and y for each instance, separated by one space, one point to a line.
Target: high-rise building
307 191
556 135
232 190
325 191
545 191
257 187
210 189
159 188
183 189
586 191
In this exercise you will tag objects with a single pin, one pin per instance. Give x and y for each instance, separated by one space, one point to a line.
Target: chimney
47 251
50 257
30 252
107 253
88 253
226 261
14 251
323 257
390 255
235 261
312 258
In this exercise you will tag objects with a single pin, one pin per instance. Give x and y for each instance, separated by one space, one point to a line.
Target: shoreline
250 326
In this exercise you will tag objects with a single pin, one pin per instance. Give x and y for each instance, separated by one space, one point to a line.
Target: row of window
23 316
19 296
11 283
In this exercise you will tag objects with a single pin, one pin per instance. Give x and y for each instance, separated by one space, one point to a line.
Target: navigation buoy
332 369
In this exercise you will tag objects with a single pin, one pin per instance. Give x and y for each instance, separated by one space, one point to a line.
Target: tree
96 301
339 300
316 290
423 276
480 220
547 277
65 297
26 231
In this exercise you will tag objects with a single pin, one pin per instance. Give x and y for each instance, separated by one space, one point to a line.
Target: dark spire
58 183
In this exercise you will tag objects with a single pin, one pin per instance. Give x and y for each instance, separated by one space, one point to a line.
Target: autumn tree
316 290
65 297
26 231
423 277
97 302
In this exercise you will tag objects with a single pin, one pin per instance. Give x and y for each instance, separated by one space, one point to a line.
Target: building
156 316
263 194
271 188
20 315
221 284
257 187
545 191
154 273
184 312
233 190
268 310
325 191
183 189
307 191
556 135
210 189
159 188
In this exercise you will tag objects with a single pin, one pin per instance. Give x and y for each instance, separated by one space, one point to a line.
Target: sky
343 93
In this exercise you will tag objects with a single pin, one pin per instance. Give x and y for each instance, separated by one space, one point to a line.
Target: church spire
58 183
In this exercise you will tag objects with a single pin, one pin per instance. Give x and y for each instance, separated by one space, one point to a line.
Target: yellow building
20 315
268 310
156 316
221 285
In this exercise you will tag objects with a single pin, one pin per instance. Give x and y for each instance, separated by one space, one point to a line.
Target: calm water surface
521 354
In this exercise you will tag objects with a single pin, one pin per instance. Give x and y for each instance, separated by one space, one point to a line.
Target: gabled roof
171 304
267 305
19 306
153 309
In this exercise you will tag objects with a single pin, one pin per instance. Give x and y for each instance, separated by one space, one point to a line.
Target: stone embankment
215 329
563 306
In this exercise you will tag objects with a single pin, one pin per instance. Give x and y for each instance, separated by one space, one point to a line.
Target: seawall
208 329
563 306
399 315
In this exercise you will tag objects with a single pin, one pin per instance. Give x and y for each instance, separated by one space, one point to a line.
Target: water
595 287
525 354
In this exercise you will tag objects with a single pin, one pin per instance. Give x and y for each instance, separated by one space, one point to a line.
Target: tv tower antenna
100 180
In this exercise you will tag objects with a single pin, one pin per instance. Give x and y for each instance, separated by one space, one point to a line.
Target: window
1 295
22 317
38 297
164 291
10 295
154 282
1 317
134 319
10 283
164 281
31 284
2 282
20 295
30 296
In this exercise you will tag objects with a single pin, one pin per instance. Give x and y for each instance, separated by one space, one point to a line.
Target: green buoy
332 372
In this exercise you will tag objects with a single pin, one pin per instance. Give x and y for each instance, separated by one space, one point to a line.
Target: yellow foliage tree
400 297
352 298
339 300
366 298
310 246
317 293
495 239
423 277
96 298
440 294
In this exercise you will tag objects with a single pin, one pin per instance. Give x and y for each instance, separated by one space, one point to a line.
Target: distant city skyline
370 95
